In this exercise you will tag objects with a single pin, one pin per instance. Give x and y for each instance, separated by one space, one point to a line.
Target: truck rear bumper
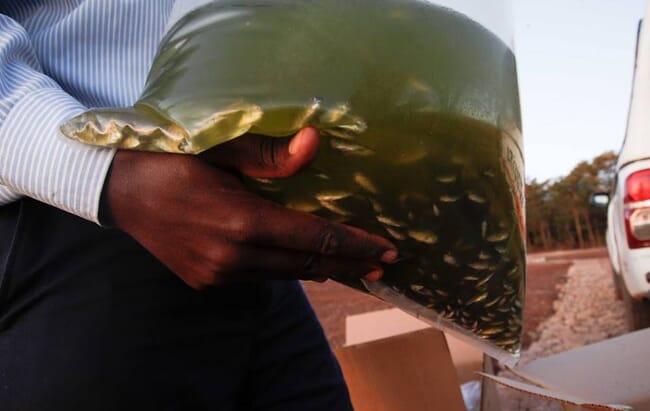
636 272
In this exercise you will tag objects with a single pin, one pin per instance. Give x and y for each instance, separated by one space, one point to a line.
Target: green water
275 66
443 195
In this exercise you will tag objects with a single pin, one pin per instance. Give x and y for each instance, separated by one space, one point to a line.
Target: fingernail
374 276
389 256
294 144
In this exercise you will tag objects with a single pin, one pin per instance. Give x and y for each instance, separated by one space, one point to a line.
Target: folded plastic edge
126 128
431 317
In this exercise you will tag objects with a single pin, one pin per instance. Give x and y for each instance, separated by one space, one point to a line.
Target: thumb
267 157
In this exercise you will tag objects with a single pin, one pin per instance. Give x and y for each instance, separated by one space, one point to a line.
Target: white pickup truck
628 214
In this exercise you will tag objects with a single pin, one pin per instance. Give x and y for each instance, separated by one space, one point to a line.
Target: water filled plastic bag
418 105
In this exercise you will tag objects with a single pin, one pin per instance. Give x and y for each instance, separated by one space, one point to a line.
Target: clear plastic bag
420 112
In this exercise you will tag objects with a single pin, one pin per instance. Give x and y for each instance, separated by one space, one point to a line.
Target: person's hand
199 220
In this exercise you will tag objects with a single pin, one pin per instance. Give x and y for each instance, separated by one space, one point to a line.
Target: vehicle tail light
637 209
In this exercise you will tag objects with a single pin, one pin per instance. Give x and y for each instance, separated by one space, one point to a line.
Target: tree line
558 213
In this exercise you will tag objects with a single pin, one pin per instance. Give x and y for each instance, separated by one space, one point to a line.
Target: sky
575 62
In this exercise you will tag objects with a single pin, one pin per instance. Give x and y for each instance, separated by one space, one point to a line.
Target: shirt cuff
7 196
38 161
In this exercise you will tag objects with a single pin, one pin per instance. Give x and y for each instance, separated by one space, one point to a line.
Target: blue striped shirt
57 59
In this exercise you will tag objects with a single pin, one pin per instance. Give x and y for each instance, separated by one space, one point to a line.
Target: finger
267 224
244 262
267 157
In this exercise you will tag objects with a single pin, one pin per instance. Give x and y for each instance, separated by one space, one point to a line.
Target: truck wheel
637 312
616 280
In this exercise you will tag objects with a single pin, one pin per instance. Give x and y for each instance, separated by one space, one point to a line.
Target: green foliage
558 214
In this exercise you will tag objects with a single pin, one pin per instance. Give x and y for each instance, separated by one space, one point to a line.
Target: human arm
50 61
201 222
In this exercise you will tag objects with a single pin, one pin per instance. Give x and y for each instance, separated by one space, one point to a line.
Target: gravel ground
586 311
543 282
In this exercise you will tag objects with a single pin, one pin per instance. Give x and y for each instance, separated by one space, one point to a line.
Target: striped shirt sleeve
35 159
7 195
57 58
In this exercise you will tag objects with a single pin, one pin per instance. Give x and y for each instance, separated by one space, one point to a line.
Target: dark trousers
90 321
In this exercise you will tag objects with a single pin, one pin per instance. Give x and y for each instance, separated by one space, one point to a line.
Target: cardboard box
419 370
382 324
395 362
402 373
